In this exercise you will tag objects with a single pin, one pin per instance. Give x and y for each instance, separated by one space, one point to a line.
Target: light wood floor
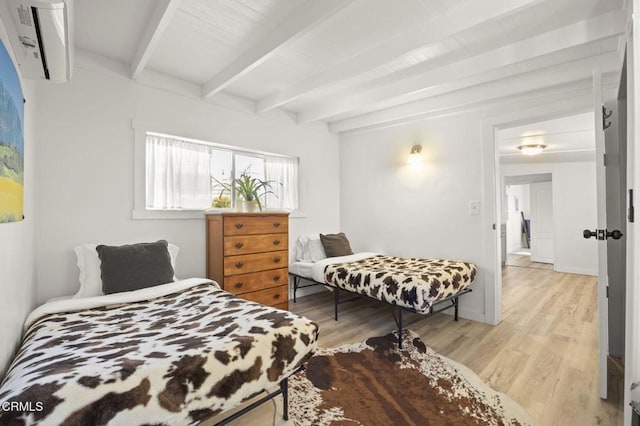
543 354
524 261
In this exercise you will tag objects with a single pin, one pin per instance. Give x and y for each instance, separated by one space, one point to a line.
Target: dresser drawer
284 306
245 244
243 264
244 225
238 284
270 296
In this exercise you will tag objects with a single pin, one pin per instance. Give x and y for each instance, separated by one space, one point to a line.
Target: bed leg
295 287
336 300
399 328
284 388
455 309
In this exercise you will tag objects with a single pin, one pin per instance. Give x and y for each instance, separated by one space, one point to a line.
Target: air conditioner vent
41 37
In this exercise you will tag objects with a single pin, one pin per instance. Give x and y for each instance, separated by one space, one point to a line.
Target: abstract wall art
11 141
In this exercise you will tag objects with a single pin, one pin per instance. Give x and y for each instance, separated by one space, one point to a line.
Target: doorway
573 206
528 221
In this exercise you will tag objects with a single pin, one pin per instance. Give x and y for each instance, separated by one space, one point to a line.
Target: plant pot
246 206
250 206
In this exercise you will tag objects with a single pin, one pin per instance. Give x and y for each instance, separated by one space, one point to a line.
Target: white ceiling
360 64
571 134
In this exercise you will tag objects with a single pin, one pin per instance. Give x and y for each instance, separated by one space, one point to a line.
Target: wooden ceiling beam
570 99
302 20
504 61
158 22
531 82
405 42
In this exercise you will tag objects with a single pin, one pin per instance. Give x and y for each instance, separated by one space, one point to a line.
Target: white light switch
474 207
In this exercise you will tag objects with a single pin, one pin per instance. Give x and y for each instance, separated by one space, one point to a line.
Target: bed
422 286
177 353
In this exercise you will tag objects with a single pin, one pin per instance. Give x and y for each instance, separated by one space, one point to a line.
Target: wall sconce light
532 149
414 156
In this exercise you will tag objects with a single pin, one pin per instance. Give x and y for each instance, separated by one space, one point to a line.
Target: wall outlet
474 207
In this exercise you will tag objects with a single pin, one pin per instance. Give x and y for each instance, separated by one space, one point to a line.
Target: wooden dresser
247 254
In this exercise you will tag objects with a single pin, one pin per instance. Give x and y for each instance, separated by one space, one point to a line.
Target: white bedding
77 304
303 269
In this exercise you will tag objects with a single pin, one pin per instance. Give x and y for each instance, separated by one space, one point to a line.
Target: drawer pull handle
276 224
239 226
276 242
239 245
276 296
277 259
239 265
276 278
238 284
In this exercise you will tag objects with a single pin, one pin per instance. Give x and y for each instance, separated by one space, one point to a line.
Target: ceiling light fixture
414 156
532 149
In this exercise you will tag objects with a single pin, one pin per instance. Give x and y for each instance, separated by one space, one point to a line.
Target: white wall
574 209
86 169
17 252
389 208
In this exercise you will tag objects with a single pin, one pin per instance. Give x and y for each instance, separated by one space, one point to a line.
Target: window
186 174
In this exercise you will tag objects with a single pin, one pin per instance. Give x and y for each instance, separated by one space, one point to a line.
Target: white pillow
309 248
89 265
301 249
316 250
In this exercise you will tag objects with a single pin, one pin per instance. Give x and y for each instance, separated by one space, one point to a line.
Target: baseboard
306 291
579 271
472 315
468 314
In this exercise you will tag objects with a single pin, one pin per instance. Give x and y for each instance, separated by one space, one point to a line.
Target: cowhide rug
373 383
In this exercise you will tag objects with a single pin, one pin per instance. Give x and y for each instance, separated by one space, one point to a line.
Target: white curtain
178 174
283 172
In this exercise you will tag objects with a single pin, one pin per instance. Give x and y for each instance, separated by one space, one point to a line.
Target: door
610 190
616 184
541 206
603 320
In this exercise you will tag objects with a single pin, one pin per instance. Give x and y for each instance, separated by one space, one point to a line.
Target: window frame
140 211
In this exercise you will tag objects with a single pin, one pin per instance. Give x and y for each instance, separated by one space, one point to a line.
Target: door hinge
605 116
604 160
631 210
607 292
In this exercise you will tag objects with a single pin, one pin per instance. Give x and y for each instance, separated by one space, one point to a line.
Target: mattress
408 282
177 353
303 269
317 271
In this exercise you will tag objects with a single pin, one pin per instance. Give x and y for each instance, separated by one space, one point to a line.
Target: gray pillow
336 244
134 266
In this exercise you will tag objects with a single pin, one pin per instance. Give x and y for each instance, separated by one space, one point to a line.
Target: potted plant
248 191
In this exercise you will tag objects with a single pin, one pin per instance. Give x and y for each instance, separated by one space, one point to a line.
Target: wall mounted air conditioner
42 40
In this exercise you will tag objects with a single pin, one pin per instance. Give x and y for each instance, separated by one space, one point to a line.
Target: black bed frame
284 390
453 300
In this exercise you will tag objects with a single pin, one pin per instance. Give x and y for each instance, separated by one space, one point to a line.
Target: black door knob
615 234
601 234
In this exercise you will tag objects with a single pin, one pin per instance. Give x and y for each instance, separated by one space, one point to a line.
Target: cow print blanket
408 282
175 359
